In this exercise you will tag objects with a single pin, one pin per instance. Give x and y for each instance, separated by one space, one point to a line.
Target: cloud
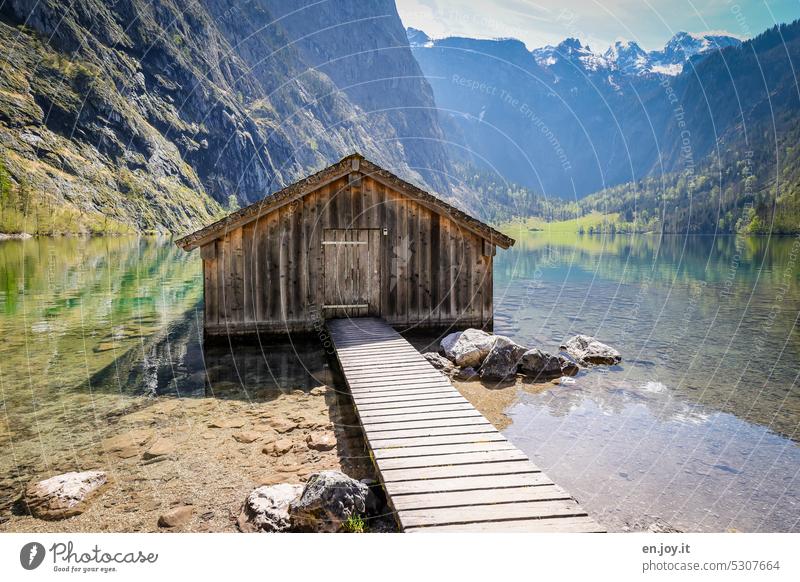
596 22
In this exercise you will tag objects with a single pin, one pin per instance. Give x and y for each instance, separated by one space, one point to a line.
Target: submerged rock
127 445
267 508
587 350
569 367
466 374
159 448
439 362
278 448
329 499
64 495
246 437
502 360
538 364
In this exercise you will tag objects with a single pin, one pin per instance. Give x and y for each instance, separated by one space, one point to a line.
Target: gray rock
587 350
64 495
439 362
329 499
502 361
467 348
267 508
569 367
466 374
538 364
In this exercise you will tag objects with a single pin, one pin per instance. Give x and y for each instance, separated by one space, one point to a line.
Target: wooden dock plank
452 459
444 467
447 439
466 483
493 512
443 449
469 470
479 497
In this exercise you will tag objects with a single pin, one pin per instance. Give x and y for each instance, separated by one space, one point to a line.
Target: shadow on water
177 362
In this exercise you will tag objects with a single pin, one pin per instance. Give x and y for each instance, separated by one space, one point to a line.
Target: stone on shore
176 517
439 362
320 442
266 509
502 361
467 348
64 495
586 350
328 500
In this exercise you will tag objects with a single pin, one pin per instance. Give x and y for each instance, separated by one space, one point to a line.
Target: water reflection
93 328
699 424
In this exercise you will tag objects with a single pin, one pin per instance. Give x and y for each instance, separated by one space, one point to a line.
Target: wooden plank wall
268 275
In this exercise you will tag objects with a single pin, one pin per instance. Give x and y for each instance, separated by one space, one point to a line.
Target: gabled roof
345 166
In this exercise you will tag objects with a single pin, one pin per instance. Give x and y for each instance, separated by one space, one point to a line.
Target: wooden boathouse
367 252
352 240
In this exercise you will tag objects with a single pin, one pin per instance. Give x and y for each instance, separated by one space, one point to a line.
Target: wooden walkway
443 465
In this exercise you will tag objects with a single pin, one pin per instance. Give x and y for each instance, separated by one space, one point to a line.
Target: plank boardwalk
443 465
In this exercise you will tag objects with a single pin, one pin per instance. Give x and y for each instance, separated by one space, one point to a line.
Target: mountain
566 121
683 46
537 118
156 114
629 58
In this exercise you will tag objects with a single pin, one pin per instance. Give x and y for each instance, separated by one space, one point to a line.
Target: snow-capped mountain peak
628 57
685 45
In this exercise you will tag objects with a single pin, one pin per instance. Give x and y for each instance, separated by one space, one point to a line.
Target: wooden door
352 272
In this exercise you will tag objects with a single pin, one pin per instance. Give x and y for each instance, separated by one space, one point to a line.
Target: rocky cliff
161 113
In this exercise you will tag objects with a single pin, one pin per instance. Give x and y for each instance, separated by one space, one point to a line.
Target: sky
597 23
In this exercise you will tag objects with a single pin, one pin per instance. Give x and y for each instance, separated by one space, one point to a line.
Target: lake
697 428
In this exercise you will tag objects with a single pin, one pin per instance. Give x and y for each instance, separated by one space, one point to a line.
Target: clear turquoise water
697 427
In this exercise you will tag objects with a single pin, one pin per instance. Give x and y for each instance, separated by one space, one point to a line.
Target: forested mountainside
159 114
566 122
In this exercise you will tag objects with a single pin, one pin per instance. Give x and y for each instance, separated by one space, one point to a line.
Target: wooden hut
351 240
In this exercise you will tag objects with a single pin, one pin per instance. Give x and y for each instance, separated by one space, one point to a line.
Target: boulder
64 495
587 350
439 362
538 364
176 517
267 508
502 361
467 348
329 499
